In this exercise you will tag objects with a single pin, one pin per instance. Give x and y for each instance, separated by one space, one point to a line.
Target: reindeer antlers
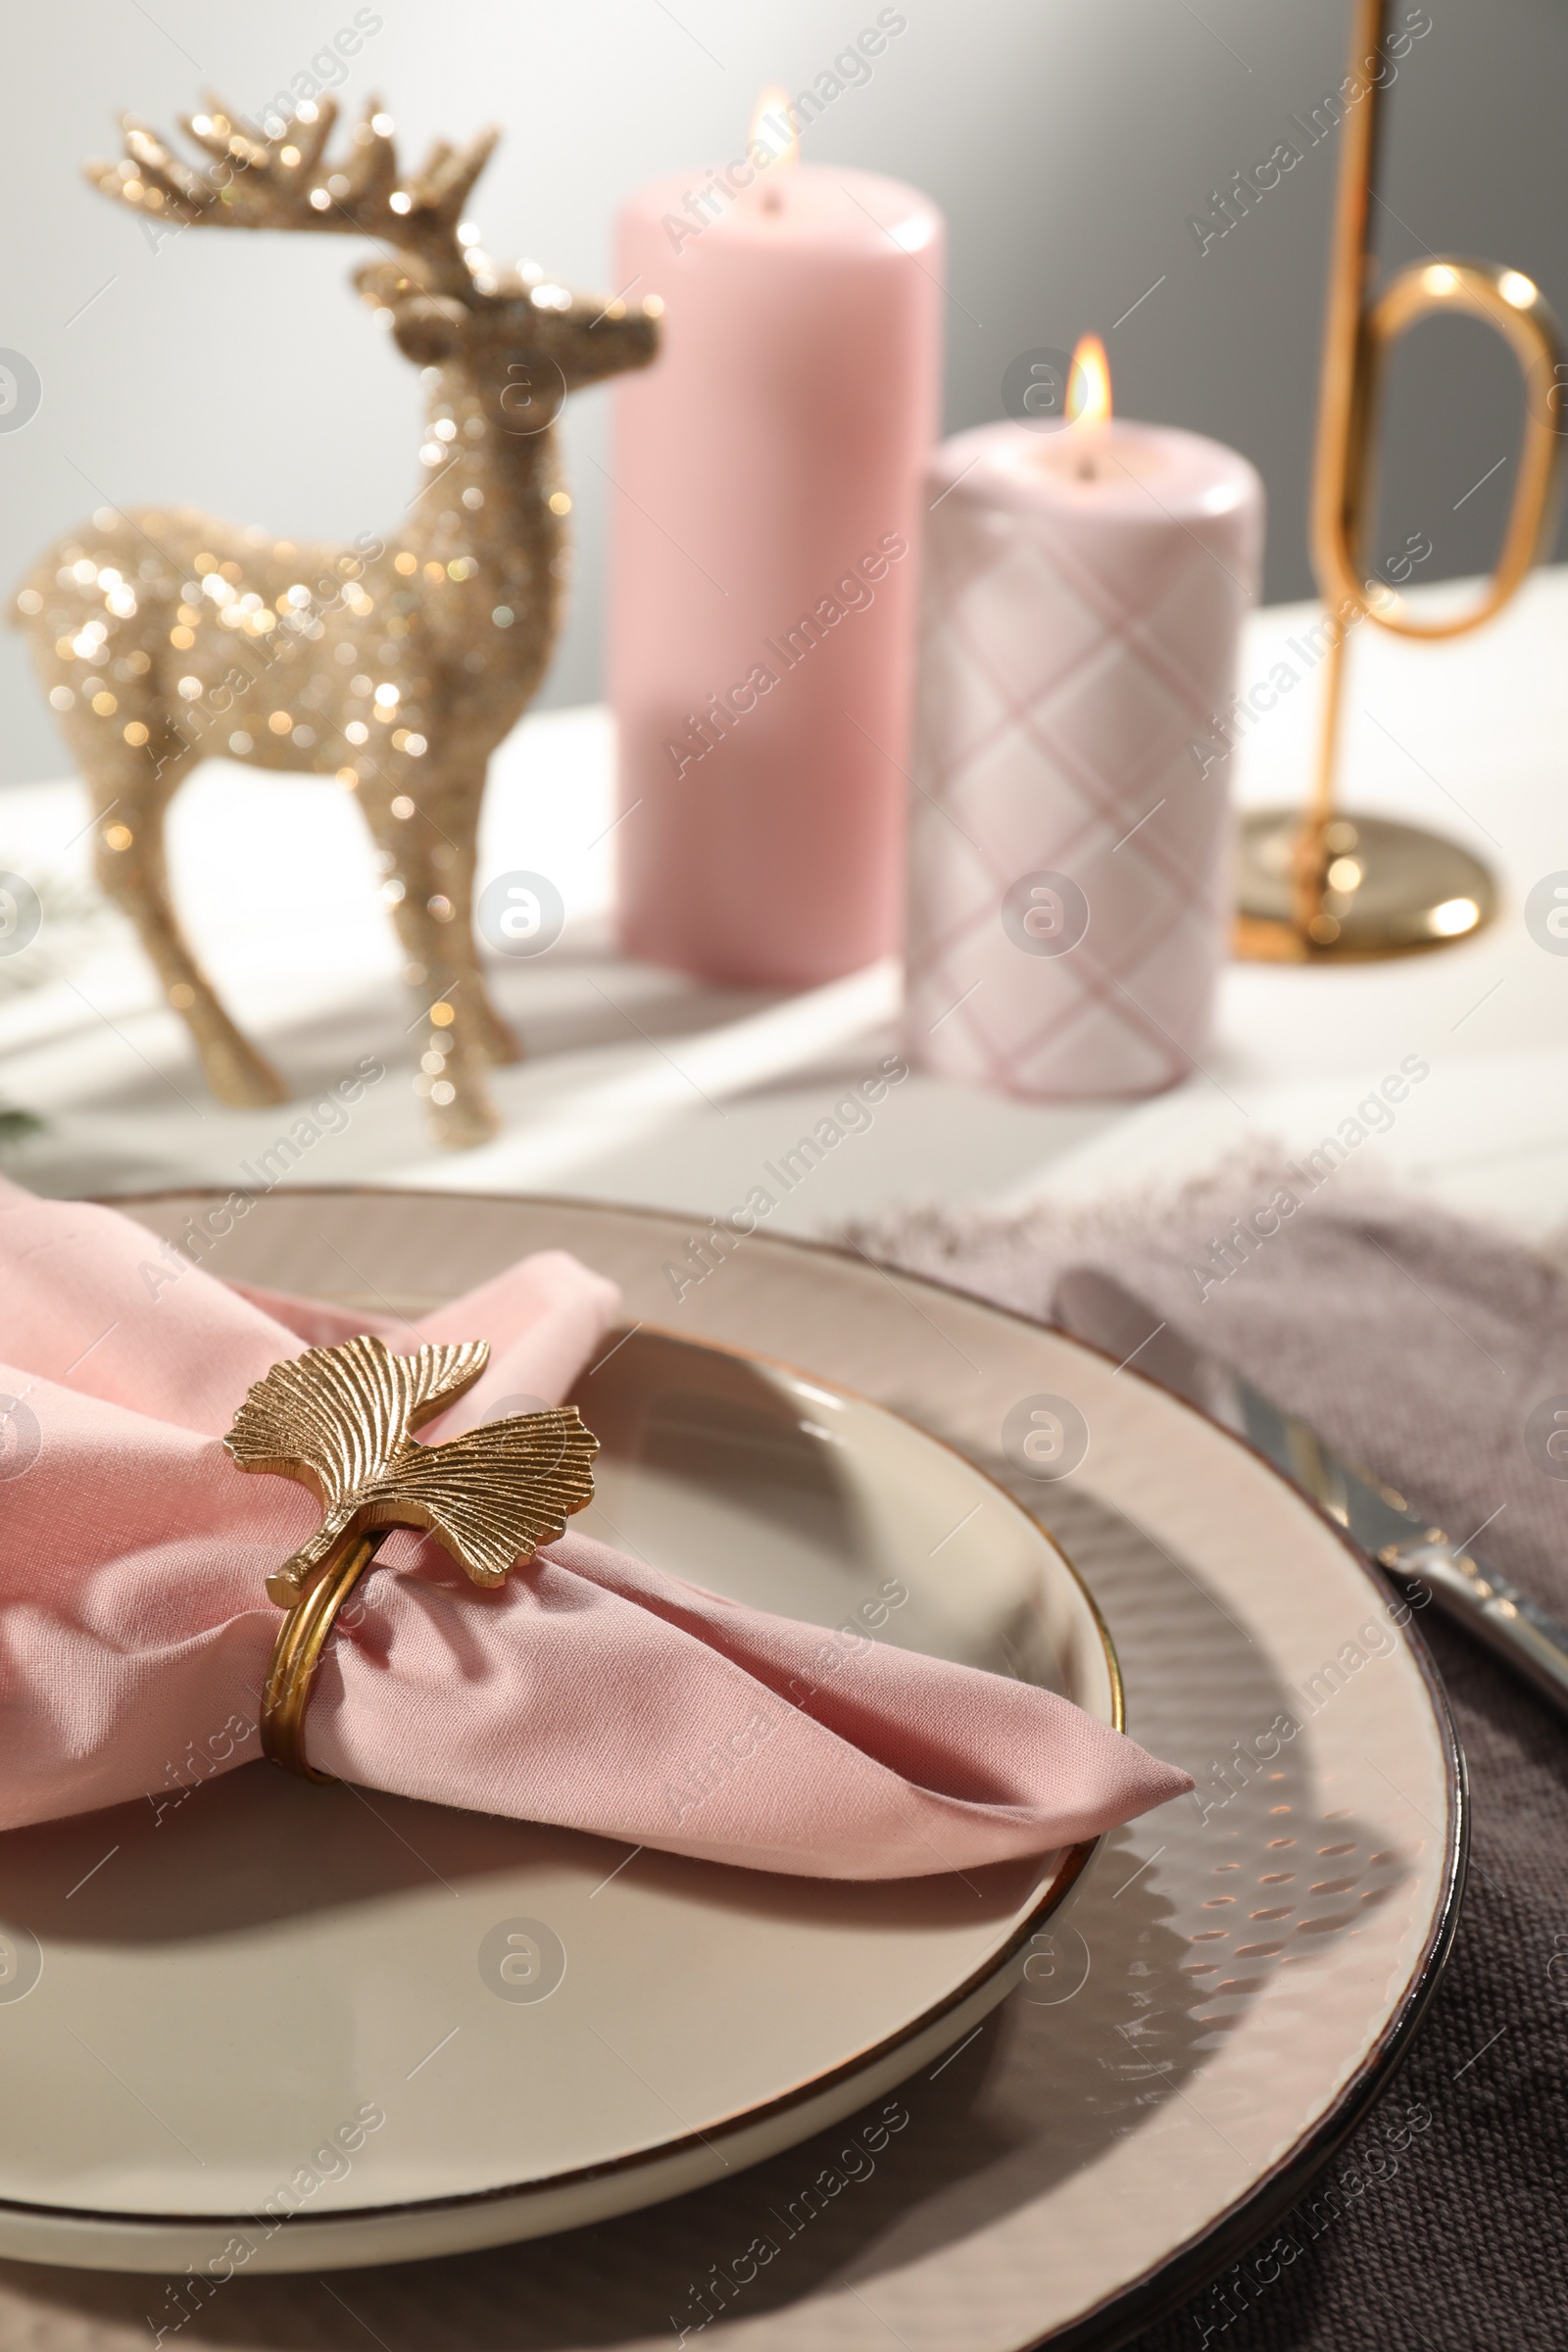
285 180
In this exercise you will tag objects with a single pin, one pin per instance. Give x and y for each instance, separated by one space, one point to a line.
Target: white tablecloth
642 1086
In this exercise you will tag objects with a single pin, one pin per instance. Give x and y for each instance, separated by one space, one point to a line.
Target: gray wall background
1068 145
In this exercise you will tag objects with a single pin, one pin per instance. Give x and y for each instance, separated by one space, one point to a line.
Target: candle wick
772 200
1087 471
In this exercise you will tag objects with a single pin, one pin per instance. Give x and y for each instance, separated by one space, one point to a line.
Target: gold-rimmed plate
273 2025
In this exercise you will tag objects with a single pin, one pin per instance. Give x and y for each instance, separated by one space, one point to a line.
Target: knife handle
1528 1635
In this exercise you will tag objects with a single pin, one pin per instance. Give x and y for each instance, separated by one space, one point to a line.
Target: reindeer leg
416 854
494 1035
131 798
458 813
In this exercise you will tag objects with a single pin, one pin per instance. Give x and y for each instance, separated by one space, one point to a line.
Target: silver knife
1092 1306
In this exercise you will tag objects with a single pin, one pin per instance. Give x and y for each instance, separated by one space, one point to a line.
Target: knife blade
1093 1306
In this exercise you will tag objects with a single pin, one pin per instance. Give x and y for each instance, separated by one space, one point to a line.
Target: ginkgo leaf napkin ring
341 1421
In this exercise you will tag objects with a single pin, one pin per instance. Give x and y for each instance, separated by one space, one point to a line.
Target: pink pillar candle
766 479
1069 887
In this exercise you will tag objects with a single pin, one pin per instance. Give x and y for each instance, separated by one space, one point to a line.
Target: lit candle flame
1089 387
774 127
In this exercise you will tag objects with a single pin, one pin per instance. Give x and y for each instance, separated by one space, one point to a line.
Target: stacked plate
600 2094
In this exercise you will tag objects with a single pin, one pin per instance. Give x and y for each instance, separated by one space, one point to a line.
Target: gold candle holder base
1316 885
1388 890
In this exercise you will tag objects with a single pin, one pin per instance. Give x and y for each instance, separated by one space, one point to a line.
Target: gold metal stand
1387 889
1317 884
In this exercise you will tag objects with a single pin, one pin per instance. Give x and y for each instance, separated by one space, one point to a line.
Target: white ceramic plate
1230 1982
404 2029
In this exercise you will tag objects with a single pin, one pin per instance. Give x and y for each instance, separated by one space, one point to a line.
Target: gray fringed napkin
1418 1345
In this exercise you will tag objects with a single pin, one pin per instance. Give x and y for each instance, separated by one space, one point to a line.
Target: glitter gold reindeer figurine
163 637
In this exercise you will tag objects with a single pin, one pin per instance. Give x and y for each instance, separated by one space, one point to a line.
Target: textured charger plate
1230 1985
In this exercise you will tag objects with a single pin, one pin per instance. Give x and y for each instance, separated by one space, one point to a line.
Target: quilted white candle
1069 882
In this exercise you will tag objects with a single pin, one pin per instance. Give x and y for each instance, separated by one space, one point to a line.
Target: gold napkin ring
296 1653
340 1420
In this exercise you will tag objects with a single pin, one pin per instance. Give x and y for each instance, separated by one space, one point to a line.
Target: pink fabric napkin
591 1690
